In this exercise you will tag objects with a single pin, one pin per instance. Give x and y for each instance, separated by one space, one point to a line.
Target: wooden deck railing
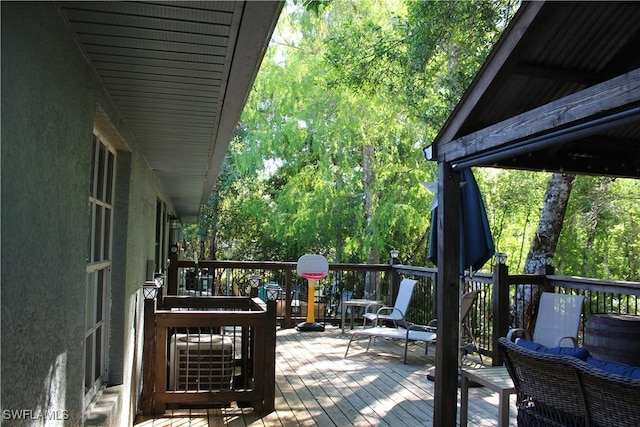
497 308
228 277
494 313
210 350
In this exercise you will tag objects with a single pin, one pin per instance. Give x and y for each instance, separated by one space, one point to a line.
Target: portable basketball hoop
312 268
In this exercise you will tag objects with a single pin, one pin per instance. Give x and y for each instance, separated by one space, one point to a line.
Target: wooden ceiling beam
579 166
602 100
496 63
556 74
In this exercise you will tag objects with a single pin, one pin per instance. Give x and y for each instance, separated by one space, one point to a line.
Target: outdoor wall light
394 253
150 289
174 230
254 279
273 291
500 257
428 152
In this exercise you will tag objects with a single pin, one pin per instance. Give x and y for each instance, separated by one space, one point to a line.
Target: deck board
317 386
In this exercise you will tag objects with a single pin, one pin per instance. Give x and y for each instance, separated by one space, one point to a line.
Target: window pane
106 253
89 316
99 296
98 355
159 235
110 171
97 234
90 233
100 174
88 363
96 143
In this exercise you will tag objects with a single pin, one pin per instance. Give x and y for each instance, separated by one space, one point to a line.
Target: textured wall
49 96
46 125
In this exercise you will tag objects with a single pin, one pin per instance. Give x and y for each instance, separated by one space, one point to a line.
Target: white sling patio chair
397 313
468 342
412 333
557 322
424 333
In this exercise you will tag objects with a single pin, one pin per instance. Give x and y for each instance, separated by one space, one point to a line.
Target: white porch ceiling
179 73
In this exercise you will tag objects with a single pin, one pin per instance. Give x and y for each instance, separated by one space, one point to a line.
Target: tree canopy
327 157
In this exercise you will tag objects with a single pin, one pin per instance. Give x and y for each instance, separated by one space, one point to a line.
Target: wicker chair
555 390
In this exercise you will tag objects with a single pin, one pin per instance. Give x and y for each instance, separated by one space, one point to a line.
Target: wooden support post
160 354
288 322
270 358
148 361
258 362
500 309
448 297
247 342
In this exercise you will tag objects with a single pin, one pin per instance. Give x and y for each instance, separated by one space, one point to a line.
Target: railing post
258 355
160 354
287 323
500 307
395 277
148 357
546 269
172 273
270 358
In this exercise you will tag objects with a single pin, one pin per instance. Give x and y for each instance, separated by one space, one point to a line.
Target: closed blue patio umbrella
476 242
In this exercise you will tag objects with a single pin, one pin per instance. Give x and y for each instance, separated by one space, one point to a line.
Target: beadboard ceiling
179 74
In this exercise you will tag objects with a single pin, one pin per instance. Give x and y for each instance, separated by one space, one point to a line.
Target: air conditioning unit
201 362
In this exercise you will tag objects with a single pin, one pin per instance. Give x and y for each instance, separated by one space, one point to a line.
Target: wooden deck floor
316 386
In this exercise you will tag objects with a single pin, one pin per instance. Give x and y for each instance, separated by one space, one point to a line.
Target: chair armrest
373 305
389 310
518 333
572 340
382 311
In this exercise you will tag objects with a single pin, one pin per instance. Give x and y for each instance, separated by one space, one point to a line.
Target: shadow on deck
316 386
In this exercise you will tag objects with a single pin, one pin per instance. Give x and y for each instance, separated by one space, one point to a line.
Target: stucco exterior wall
49 98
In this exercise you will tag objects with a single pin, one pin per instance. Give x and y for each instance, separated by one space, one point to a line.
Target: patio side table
354 303
495 379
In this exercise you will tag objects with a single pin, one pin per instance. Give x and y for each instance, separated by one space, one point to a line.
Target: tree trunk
594 216
368 157
339 231
214 206
544 243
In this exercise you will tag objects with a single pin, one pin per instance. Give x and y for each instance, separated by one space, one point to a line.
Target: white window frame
99 259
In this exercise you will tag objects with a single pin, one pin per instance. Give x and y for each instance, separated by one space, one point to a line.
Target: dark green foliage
327 156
